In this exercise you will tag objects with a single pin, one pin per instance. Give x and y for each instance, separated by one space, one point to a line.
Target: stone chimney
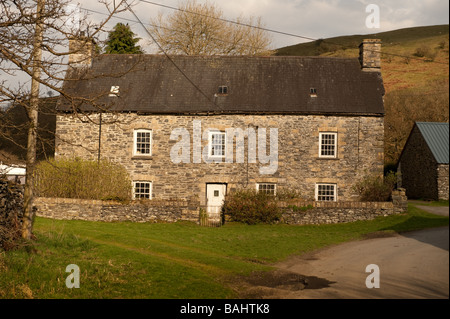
81 50
370 55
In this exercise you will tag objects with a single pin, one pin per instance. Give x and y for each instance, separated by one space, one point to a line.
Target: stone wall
294 212
418 168
360 151
443 186
111 211
11 213
317 213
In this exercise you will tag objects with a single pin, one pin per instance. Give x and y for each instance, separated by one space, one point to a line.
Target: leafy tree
122 40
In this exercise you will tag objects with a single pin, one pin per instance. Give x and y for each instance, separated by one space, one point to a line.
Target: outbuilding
423 164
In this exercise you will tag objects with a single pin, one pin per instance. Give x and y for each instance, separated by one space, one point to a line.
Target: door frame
224 194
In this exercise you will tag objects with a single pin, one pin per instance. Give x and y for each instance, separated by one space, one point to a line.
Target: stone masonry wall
443 186
294 212
111 211
418 168
338 213
360 151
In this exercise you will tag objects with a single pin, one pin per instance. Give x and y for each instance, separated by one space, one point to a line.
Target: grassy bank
169 261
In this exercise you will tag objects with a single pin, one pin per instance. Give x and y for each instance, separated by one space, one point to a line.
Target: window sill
141 157
328 158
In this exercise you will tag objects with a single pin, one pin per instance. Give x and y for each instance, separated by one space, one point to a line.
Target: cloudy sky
310 18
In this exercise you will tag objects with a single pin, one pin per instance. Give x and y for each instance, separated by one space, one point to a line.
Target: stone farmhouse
197 127
423 164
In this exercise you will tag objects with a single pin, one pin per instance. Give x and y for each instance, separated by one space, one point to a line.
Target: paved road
437 210
412 265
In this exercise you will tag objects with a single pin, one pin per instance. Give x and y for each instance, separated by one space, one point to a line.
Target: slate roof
153 84
436 136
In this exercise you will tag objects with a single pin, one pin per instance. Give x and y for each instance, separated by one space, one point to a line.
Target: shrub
425 52
422 51
251 207
376 188
286 194
83 179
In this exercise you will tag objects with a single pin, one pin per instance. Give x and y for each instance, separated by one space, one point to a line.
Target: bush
83 179
425 52
376 188
251 207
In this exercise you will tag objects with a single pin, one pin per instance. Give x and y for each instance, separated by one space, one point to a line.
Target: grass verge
169 261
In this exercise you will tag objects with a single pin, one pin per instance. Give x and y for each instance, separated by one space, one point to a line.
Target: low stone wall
305 213
294 212
316 213
111 211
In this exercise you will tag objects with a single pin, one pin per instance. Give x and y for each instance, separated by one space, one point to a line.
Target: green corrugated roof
436 136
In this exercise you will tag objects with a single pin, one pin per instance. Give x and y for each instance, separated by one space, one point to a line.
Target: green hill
391 39
415 70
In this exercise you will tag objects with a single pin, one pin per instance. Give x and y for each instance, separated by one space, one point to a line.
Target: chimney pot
370 55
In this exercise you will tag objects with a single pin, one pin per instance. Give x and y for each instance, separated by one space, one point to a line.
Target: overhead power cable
228 21
256 27
168 57
165 28
276 31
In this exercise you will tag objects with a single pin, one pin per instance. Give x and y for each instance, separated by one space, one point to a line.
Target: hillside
399 72
415 69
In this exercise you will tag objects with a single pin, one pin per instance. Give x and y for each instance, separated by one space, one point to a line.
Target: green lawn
168 261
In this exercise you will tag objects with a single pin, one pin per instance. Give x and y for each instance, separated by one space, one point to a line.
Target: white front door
215 195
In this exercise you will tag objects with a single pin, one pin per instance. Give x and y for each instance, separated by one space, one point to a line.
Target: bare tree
33 45
201 29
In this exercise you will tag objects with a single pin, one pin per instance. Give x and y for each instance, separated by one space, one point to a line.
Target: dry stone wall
111 211
11 213
294 212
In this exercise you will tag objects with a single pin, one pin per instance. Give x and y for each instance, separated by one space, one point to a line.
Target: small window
328 145
142 190
269 189
223 90
217 144
313 92
115 90
142 143
326 192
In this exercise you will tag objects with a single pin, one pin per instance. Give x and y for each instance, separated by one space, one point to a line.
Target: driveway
438 210
412 265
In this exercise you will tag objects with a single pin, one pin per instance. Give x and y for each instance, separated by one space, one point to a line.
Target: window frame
265 190
335 192
210 145
335 145
150 190
223 90
135 142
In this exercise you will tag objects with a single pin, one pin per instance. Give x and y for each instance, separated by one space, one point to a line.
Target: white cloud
310 18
